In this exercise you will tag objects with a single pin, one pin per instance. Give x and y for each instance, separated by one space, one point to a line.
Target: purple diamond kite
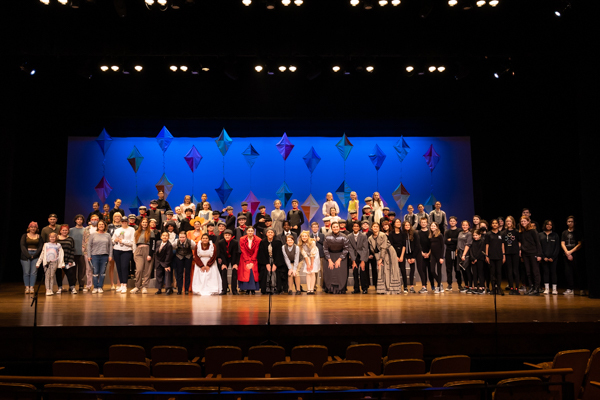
165 185
401 148
135 159
344 147
134 207
103 189
164 139
284 146
250 154
252 201
193 158
377 157
311 159
104 141
223 142
224 191
432 158
284 194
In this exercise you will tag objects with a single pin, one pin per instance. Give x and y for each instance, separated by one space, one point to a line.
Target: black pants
364 275
122 260
373 265
512 270
234 284
478 278
426 266
496 273
571 271
181 266
549 268
268 280
533 270
435 269
452 265
464 268
411 271
163 276
71 274
282 279
80 268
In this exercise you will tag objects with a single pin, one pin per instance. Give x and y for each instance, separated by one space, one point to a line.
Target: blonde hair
437 230
310 240
379 198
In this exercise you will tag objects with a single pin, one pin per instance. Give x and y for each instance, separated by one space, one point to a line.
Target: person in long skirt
248 267
207 279
377 207
388 279
311 262
336 249
278 216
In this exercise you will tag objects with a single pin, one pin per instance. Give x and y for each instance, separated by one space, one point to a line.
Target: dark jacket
263 252
550 245
234 252
530 243
477 250
163 258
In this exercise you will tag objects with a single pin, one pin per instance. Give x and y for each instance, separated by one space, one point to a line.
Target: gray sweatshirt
99 243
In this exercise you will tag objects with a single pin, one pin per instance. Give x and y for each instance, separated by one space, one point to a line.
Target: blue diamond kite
311 159
284 146
223 142
104 141
401 148
193 158
135 159
250 154
224 191
344 147
430 202
284 194
134 207
164 139
343 192
377 157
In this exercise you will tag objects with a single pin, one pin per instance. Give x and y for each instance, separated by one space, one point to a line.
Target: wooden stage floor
112 309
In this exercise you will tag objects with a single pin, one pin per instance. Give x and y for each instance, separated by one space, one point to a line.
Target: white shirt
128 238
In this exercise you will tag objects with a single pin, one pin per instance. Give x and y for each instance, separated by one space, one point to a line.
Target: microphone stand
34 304
271 288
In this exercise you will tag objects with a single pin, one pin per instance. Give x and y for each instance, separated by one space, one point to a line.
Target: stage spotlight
369 68
441 68
292 68
493 3
138 68
282 68
432 69
562 8
270 5
63 2
27 69
336 68
353 3
383 3
452 3
368 4
162 2
74 3
396 3
246 2
410 68
298 2
115 68
45 2
258 68
480 3
205 69
286 2
149 3
104 68
176 4
184 68
173 68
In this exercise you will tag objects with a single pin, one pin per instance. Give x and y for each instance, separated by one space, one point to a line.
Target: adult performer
336 248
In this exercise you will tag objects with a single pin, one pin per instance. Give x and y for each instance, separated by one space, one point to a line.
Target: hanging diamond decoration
284 146
224 191
134 207
165 185
103 189
401 148
250 155
377 157
252 201
344 147
343 193
432 158
311 159
135 159
193 158
284 194
401 195
164 138
430 202
223 142
310 207
104 141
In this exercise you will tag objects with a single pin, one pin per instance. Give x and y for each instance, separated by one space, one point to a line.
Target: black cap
228 231
216 212
244 203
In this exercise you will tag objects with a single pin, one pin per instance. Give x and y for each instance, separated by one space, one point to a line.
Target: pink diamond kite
252 201
103 189
432 158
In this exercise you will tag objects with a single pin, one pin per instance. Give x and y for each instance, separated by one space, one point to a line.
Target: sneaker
113 287
59 291
94 290
134 290
463 289
73 290
144 291
554 291
546 291
405 290
481 291
100 290
568 292
441 289
26 289
123 290
85 289
437 290
49 292
423 290
449 288
412 290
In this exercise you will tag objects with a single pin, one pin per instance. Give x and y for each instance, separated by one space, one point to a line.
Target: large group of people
193 248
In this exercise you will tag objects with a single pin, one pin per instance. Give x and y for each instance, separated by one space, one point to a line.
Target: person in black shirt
163 205
230 219
477 259
241 229
228 254
436 240
451 240
512 251
116 209
531 251
550 248
494 250
154 213
570 242
425 253
245 213
96 211
411 252
296 218
271 264
527 214
396 237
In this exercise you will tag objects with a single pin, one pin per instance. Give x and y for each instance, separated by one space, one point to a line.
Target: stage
83 326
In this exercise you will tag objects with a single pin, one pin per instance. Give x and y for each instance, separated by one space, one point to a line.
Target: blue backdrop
452 177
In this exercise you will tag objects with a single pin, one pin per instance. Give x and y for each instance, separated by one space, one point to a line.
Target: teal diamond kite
135 159
401 148
164 139
430 202
344 147
224 191
284 194
223 142
343 193
104 141
250 154
134 207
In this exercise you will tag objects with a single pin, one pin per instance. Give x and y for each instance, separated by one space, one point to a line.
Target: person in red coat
248 267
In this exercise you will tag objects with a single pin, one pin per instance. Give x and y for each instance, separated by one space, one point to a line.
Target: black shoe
298 292
247 293
235 293
302 289
365 291
169 292
534 292
500 292
179 293
290 292
158 291
187 292
508 288
223 293
252 292
356 291
310 293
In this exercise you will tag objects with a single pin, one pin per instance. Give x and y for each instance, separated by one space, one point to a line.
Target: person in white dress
278 216
207 279
377 207
187 203
310 263
205 213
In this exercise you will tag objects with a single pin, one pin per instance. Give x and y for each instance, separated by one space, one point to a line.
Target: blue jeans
99 264
29 270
